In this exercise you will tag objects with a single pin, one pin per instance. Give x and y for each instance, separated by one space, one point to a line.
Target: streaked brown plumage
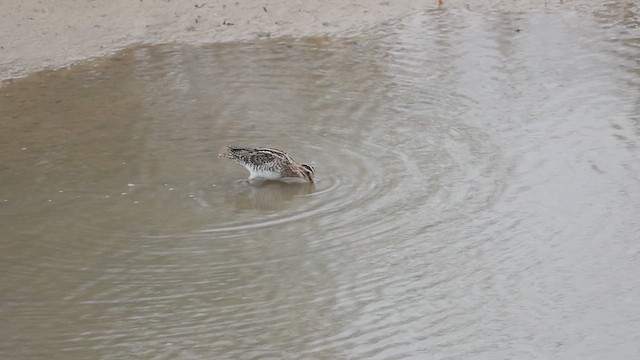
269 164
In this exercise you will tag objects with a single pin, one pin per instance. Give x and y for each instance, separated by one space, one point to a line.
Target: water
477 196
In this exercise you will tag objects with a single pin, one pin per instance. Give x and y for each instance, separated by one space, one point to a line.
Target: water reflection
269 195
475 184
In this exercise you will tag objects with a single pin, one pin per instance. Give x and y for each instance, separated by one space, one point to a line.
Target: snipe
269 164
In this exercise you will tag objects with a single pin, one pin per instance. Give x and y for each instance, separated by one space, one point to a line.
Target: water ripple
467 174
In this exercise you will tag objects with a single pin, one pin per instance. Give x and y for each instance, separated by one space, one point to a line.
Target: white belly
266 175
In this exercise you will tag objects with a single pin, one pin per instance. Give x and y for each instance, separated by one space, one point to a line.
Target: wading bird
269 164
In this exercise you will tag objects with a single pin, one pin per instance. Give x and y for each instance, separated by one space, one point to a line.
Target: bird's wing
273 155
259 156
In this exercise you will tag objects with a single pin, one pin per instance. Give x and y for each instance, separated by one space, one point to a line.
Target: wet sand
41 34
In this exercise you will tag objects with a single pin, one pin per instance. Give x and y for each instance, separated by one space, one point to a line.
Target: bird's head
308 172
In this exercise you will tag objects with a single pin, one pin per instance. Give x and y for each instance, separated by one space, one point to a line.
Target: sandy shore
39 34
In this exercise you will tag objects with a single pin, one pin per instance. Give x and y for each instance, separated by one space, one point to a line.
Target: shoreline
38 35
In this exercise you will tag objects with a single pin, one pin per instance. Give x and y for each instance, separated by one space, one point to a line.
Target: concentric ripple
476 179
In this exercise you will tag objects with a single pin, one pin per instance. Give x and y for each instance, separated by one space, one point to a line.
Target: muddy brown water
477 196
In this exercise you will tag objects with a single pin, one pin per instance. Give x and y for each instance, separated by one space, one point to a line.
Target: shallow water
477 196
